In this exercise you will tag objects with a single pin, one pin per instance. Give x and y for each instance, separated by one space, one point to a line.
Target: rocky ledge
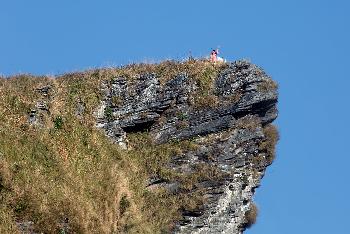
235 140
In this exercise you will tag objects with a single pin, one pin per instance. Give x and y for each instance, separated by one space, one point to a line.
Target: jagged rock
42 105
32 119
142 102
26 227
228 136
36 115
230 195
80 109
44 91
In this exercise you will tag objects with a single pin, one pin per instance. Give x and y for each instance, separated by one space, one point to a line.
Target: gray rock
44 91
36 115
80 109
245 93
26 227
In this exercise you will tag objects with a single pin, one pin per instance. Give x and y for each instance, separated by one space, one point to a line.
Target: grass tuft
251 216
269 144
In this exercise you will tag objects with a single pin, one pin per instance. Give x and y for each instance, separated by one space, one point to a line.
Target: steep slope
188 145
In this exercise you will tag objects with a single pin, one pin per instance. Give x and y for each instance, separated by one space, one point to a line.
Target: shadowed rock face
229 137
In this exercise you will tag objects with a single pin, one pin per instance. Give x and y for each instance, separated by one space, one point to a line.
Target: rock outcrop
233 135
196 139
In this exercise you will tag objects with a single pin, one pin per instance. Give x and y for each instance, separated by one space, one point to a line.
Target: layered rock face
233 135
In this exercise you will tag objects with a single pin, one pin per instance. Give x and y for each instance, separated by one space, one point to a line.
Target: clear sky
303 44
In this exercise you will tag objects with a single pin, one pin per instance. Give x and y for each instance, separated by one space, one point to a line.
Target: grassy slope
73 171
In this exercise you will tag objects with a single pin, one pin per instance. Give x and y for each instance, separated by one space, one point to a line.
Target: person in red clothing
214 58
214 55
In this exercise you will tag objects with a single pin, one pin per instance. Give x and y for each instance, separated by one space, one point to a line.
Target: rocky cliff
198 134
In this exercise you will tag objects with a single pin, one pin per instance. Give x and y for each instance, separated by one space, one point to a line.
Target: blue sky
302 44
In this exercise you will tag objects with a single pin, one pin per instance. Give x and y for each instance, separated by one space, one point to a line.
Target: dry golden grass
267 86
72 172
269 144
85 184
249 122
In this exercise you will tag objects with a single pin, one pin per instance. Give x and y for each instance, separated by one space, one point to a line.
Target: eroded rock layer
233 133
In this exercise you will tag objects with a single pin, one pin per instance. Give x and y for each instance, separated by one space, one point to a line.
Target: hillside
146 148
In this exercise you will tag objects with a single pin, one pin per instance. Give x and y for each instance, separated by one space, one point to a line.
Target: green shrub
109 113
182 116
124 204
58 122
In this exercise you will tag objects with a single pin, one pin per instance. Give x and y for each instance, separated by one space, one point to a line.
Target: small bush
58 122
182 116
109 113
21 206
124 204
